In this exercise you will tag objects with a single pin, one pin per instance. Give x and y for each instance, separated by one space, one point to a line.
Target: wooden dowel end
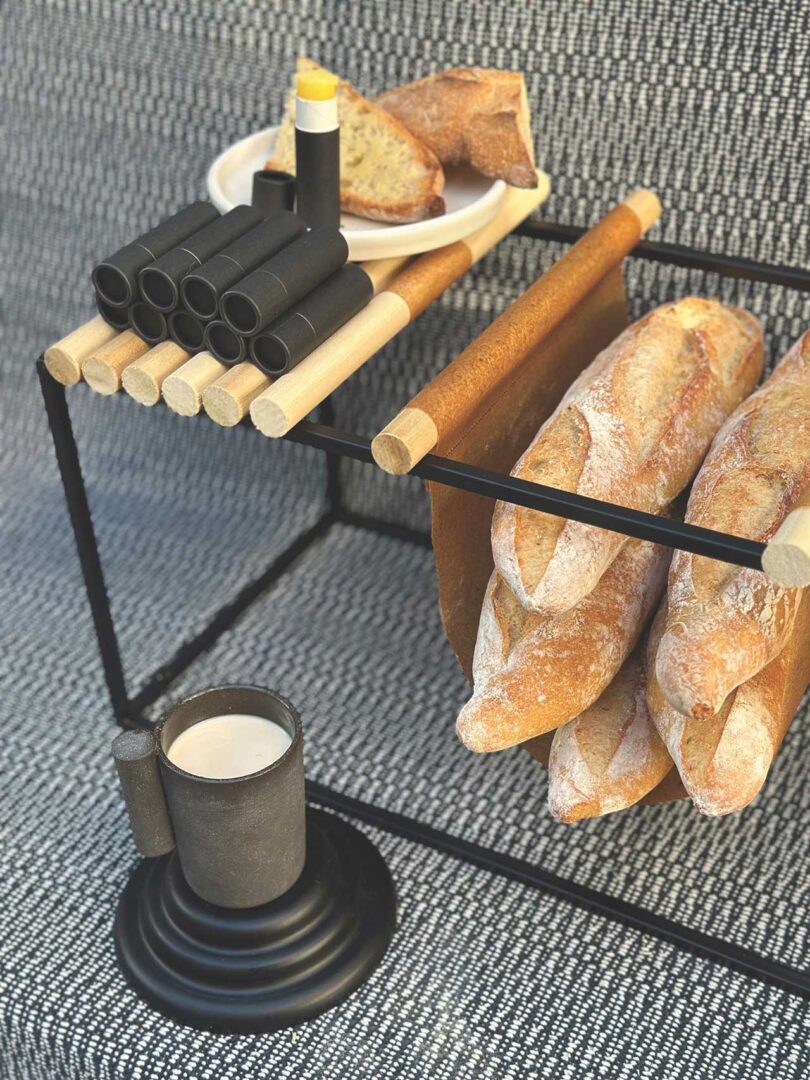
786 559
183 390
646 205
64 358
144 378
404 441
103 368
228 399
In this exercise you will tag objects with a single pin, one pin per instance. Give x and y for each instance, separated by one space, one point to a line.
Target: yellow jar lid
316 85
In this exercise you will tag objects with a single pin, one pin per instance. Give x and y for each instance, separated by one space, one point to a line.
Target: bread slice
385 173
473 115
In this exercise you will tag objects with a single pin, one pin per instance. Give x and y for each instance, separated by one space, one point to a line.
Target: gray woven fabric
109 116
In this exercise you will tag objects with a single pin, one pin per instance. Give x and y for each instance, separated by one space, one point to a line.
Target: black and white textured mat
110 116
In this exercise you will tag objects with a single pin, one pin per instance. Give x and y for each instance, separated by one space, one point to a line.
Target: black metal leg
67 457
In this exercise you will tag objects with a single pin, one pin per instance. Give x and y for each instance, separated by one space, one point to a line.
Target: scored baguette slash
385 173
534 672
724 759
727 622
632 430
610 756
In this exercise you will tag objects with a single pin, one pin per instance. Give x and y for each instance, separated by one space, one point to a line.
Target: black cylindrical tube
115 316
187 331
269 291
116 279
312 320
159 282
241 841
272 191
136 761
202 288
317 172
225 344
148 323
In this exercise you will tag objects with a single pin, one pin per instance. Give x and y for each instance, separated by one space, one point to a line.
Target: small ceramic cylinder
135 754
269 291
114 316
202 288
148 323
186 330
272 191
116 279
241 841
312 320
160 281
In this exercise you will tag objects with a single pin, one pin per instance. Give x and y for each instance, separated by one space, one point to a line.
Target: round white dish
472 201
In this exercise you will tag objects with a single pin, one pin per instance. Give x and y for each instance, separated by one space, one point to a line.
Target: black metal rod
67 457
790 277
682 937
677 534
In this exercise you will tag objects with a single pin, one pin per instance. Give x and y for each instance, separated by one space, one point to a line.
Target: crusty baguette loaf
727 622
533 672
723 760
385 173
610 756
632 429
475 115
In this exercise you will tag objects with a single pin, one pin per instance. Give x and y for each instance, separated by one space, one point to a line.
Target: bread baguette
385 173
632 429
726 622
723 760
611 755
471 115
534 672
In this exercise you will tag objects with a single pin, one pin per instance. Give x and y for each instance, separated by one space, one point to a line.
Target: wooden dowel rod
144 378
183 389
383 271
64 358
228 399
786 559
103 368
294 395
444 408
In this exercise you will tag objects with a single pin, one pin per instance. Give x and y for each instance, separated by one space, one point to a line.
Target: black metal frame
129 711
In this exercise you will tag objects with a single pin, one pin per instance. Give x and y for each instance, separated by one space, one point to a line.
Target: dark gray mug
241 841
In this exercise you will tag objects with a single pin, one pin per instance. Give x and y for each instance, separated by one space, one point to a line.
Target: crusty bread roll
727 622
385 173
533 672
475 115
632 429
610 756
723 760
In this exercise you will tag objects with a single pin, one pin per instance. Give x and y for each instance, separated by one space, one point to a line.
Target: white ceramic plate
471 199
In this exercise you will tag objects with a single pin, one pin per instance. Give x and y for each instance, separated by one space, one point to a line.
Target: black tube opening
240 313
224 343
112 285
270 354
158 289
187 331
148 323
115 316
199 297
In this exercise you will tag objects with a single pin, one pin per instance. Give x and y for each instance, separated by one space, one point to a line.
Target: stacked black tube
240 285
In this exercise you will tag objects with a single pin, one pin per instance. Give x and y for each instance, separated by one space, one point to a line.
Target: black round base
263 968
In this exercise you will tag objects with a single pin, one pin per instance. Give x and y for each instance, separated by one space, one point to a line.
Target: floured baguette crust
475 115
727 622
611 755
385 173
632 429
723 760
534 672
